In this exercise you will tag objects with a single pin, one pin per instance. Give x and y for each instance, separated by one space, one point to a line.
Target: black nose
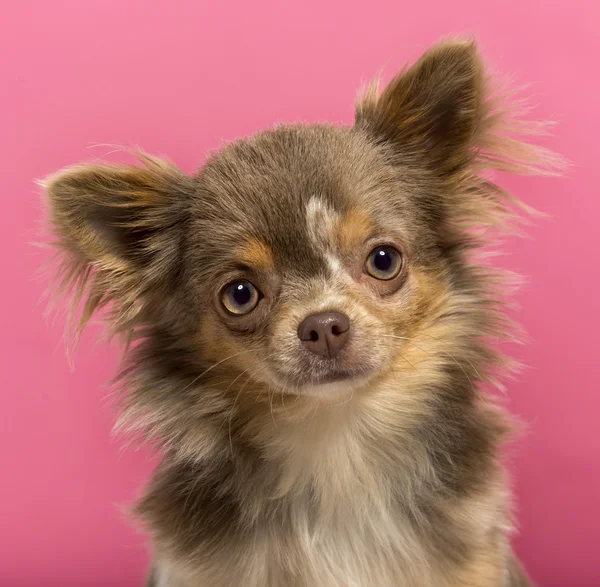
326 333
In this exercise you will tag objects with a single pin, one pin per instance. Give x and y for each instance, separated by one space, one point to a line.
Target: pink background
179 78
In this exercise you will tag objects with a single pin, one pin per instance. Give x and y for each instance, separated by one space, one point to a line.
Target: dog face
311 254
307 259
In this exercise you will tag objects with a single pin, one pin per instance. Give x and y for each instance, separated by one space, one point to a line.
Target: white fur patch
333 262
321 221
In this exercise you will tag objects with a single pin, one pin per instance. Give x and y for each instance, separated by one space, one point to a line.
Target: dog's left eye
240 297
384 263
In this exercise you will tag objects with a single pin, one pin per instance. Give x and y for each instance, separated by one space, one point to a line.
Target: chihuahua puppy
308 332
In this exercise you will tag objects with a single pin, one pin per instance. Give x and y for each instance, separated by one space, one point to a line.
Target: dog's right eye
240 297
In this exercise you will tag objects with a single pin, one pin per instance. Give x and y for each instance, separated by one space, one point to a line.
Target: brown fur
269 476
256 254
354 229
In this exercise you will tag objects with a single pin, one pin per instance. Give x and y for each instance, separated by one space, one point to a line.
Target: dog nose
325 333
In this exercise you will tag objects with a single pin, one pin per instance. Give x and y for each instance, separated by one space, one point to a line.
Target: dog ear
431 111
118 230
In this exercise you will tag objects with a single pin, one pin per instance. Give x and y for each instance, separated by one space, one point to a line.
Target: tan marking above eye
256 254
354 228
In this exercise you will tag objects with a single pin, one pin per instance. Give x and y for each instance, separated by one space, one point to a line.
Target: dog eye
384 263
240 297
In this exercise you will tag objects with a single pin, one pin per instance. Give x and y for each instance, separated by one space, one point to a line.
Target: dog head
309 259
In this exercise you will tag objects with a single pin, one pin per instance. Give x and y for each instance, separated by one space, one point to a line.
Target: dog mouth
303 373
322 378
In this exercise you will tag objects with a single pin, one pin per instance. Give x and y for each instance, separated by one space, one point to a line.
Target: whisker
262 365
283 396
409 362
210 369
439 340
232 412
346 401
269 389
314 413
244 372
429 354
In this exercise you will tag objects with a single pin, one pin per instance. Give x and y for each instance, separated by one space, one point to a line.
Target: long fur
395 480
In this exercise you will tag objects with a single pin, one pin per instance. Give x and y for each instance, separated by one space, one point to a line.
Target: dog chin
332 388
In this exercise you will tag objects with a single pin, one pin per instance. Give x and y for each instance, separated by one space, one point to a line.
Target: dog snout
325 334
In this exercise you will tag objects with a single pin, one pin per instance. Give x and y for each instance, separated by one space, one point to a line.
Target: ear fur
443 116
433 108
119 233
441 113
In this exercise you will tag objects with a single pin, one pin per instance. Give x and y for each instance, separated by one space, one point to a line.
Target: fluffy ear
119 232
432 110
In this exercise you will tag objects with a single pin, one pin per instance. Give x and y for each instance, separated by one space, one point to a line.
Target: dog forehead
297 238
264 232
257 192
288 197
314 241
